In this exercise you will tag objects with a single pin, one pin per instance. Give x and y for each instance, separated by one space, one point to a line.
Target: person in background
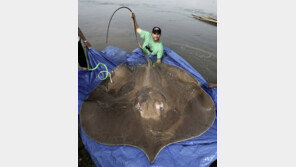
152 45
81 55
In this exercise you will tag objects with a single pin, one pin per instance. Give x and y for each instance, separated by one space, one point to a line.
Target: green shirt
155 47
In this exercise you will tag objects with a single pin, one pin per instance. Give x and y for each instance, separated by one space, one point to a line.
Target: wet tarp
199 151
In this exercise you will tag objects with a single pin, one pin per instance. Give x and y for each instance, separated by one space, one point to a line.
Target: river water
192 39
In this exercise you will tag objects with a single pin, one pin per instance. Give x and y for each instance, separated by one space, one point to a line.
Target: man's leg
81 56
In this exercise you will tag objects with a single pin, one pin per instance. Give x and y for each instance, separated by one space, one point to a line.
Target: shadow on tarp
200 151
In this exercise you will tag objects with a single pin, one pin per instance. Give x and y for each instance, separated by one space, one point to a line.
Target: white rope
108 74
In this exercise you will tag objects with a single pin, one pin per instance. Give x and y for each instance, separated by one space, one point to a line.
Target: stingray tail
149 62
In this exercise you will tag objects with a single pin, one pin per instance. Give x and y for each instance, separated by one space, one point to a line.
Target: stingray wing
111 115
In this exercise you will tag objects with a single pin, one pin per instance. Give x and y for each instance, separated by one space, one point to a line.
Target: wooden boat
207 19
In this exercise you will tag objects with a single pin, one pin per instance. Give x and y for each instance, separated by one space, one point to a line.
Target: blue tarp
200 151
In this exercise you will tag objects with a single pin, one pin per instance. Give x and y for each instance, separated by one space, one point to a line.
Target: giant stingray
147 106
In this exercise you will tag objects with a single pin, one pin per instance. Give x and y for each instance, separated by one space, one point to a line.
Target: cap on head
156 30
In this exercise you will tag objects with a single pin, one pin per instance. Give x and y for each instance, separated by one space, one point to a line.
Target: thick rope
92 69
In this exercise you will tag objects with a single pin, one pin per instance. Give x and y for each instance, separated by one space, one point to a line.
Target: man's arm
80 34
139 30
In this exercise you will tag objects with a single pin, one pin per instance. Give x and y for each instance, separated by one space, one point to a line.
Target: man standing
152 45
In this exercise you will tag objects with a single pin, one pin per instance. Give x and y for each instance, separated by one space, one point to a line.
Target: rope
92 69
109 74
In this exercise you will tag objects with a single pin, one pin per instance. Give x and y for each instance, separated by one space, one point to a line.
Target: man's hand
87 44
80 34
135 24
158 61
132 15
211 85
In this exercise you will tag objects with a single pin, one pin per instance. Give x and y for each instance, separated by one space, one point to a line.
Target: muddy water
192 39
